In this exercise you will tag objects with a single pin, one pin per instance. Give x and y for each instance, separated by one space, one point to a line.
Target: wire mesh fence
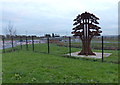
59 45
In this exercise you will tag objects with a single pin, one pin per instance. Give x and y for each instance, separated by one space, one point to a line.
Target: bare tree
10 29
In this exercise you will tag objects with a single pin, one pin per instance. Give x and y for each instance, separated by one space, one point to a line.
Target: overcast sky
56 16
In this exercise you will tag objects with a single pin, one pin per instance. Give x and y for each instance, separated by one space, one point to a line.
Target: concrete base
98 55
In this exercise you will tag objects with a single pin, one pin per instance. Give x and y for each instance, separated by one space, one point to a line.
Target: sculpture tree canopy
86 28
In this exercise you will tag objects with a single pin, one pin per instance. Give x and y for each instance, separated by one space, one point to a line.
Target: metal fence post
48 45
39 40
26 43
21 42
3 40
12 43
102 50
70 46
33 42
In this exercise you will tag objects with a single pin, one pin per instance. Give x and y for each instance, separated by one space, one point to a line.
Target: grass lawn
24 66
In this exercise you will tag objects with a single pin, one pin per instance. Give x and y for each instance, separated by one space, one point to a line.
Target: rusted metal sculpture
86 29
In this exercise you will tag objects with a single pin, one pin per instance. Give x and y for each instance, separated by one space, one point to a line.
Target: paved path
98 55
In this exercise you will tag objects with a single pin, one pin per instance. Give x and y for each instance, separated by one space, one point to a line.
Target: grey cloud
56 16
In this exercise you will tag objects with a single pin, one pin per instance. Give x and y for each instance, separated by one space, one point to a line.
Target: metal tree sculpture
86 29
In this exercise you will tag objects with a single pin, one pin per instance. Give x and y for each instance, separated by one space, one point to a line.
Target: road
8 43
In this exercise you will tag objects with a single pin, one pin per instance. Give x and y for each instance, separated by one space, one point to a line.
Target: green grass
61 50
94 45
24 66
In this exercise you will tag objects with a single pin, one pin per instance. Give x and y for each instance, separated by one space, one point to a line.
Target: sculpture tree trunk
86 48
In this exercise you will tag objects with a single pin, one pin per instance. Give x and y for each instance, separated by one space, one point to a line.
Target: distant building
55 35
